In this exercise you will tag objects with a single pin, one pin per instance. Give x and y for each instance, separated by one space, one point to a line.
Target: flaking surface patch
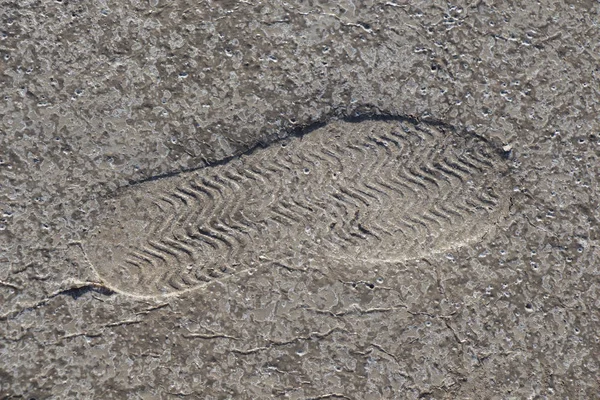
374 190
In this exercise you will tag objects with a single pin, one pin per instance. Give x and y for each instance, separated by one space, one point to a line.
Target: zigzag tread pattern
369 190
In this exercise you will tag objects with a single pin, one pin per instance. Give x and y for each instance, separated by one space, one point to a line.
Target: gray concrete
97 96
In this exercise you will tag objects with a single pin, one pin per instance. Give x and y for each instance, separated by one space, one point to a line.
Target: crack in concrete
10 285
76 290
329 396
355 309
153 308
194 335
275 343
393 356
100 331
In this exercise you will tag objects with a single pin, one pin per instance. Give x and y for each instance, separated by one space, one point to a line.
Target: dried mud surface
125 100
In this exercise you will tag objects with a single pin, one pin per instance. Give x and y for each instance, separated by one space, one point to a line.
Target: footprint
382 190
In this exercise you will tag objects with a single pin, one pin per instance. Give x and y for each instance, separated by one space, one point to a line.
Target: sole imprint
384 190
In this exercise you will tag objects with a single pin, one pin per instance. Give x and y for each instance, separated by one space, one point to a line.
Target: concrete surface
100 95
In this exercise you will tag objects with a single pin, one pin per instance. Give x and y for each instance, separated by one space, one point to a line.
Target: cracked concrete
99 95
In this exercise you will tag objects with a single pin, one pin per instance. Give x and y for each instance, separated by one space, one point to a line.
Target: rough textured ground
98 96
